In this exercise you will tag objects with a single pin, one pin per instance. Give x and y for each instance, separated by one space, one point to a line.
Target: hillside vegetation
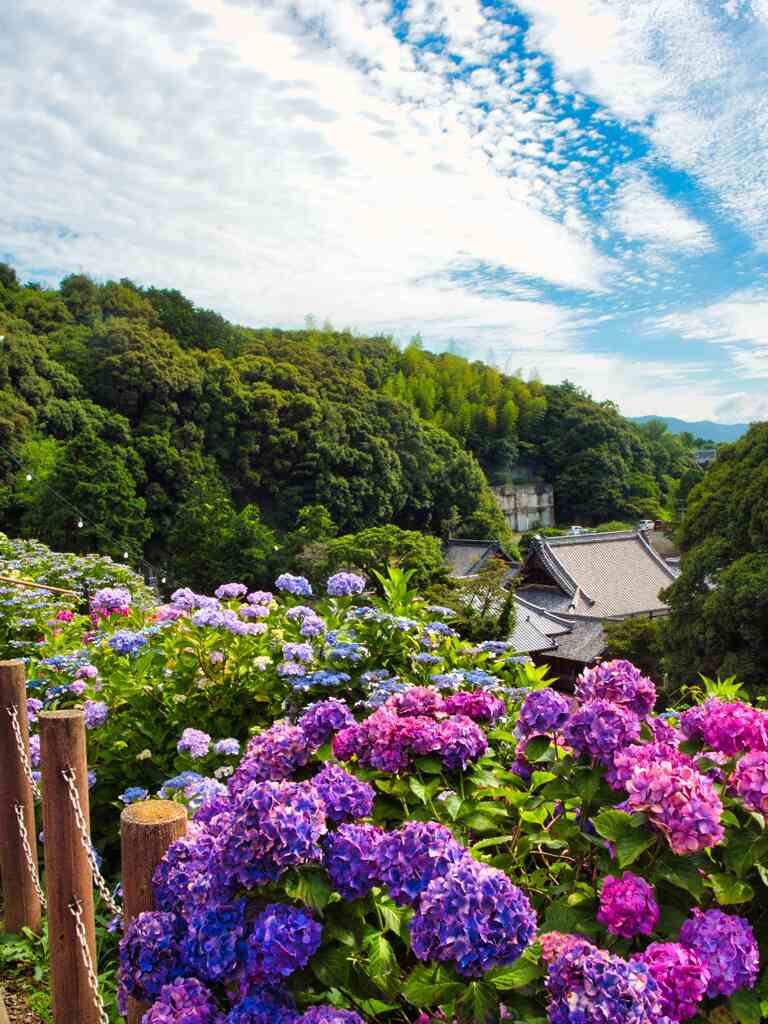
173 434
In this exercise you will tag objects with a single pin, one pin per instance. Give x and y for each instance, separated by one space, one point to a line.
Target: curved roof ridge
559 571
671 572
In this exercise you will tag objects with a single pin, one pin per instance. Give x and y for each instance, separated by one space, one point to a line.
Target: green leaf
612 824
429 765
311 886
479 823
382 967
729 890
487 844
516 975
430 986
629 847
745 1005
330 965
421 790
586 782
479 1004
536 748
684 875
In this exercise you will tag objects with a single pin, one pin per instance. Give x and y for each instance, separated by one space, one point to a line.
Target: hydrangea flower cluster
324 718
184 1001
733 728
345 797
194 742
96 713
638 755
413 855
126 643
274 754
619 682
473 916
345 584
726 946
351 858
230 591
299 586
681 976
282 941
151 953
478 705
750 781
587 985
599 728
628 906
543 712
680 802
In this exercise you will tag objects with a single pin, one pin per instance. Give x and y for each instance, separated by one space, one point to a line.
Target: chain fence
31 866
76 909
13 714
85 839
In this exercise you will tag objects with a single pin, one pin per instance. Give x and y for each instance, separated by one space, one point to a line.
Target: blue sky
577 188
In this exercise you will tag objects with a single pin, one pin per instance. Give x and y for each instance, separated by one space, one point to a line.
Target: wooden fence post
68 876
20 900
147 829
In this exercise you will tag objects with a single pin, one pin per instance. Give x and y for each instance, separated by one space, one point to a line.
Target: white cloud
641 213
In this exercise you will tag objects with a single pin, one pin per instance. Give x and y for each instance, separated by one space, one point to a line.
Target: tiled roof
606 574
465 557
537 630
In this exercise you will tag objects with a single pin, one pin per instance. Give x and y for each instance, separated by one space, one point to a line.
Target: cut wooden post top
153 812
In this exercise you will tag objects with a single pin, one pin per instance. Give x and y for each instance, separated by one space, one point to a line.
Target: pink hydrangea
621 683
750 781
637 755
554 944
733 728
627 906
680 802
681 976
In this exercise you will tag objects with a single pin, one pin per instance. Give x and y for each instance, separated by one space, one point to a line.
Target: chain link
98 878
13 714
76 909
19 812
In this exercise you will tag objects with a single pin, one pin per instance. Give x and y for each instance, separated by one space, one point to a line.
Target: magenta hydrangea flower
413 855
477 705
554 944
388 742
351 859
619 682
194 742
345 584
273 755
542 713
681 976
733 728
416 700
726 946
587 985
637 755
750 781
324 718
344 796
473 916
628 906
282 941
599 728
680 802
184 1001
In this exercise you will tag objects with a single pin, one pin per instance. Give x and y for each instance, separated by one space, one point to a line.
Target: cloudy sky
575 187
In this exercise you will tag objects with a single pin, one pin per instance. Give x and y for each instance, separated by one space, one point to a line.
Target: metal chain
13 714
76 909
98 878
19 811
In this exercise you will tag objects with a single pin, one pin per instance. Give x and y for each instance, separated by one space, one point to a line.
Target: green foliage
639 641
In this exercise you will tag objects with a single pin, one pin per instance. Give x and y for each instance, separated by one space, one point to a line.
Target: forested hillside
174 431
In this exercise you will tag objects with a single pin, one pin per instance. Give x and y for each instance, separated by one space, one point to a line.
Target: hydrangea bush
388 824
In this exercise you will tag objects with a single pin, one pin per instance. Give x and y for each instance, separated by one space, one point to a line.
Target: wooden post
147 829
68 875
20 900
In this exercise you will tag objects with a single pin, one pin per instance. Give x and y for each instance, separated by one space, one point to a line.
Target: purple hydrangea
478 705
194 742
473 916
124 642
386 741
151 954
282 941
181 878
184 1001
297 585
273 755
111 599
692 722
329 1015
96 713
636 755
259 597
229 591
750 781
312 625
324 718
413 855
416 700
213 940
34 750
590 986
34 705
228 747
554 944
619 682
274 826
681 976
460 741
733 728
628 906
344 796
599 728
726 946
345 584
680 802
264 1004
298 652
351 859
543 712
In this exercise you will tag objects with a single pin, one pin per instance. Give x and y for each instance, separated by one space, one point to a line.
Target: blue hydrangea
299 586
228 747
324 718
345 584
151 954
473 916
590 986
264 1004
350 856
133 794
282 941
413 855
344 796
213 940
320 678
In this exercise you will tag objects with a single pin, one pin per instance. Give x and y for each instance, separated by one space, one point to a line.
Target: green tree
639 641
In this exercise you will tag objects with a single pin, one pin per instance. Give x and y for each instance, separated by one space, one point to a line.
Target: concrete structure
705 456
526 505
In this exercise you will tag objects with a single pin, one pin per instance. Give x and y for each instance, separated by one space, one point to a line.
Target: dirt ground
16 1006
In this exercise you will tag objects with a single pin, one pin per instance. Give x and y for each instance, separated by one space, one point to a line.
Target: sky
574 188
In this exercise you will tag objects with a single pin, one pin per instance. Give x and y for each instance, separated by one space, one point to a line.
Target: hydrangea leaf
729 890
429 986
745 1005
479 1004
517 975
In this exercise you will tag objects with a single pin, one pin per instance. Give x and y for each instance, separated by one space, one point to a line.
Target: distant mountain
723 433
